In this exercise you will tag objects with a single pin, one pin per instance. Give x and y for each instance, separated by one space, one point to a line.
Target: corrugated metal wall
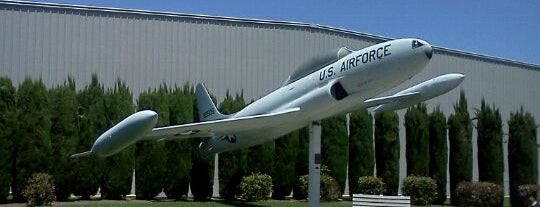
146 49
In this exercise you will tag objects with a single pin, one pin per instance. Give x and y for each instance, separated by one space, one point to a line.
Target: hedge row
43 127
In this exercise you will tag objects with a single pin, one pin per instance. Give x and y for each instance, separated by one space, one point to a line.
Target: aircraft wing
389 99
220 127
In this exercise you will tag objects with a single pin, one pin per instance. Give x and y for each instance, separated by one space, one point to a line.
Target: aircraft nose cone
149 113
148 116
460 77
428 51
456 78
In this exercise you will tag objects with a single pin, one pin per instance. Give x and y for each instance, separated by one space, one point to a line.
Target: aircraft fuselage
337 88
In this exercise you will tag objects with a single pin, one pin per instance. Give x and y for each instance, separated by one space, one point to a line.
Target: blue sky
506 29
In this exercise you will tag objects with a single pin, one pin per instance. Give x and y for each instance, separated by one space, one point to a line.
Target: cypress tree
150 155
283 176
8 124
117 170
361 151
64 137
32 143
301 167
460 136
178 165
260 158
438 153
202 164
233 164
417 140
91 122
335 148
522 153
387 149
202 172
490 144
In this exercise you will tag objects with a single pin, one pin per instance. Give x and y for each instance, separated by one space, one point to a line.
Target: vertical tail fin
207 108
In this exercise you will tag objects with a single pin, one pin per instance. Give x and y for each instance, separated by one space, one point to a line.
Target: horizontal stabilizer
82 154
221 127
388 99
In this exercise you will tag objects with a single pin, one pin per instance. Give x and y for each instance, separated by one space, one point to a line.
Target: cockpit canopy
317 62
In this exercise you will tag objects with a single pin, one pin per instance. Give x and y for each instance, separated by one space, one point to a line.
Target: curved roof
317 62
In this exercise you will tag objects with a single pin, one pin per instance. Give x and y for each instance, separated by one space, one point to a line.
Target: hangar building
148 48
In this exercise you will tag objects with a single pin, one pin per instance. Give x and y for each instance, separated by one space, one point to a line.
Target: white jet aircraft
335 83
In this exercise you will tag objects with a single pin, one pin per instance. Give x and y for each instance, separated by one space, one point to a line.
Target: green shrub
371 185
479 194
529 193
330 190
329 187
39 190
303 186
256 187
423 190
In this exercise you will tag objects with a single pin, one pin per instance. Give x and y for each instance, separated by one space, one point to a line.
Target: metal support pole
314 184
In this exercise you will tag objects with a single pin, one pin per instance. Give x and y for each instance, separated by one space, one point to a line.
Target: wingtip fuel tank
123 134
427 90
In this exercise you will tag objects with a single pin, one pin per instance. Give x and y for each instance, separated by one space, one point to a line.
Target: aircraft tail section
207 108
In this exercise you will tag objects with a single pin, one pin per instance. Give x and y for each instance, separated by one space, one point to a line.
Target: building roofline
375 38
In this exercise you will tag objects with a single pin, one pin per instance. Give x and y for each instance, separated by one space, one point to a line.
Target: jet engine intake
337 91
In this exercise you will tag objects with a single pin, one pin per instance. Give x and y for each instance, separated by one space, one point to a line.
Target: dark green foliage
91 122
39 190
233 164
335 148
479 194
256 187
150 155
64 137
371 185
438 153
284 165
417 140
361 151
202 168
117 170
261 158
202 172
490 144
232 167
8 125
301 167
32 144
423 190
387 149
522 153
460 136
178 165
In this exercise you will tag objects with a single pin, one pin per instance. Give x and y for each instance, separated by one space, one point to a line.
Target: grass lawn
214 203
278 203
